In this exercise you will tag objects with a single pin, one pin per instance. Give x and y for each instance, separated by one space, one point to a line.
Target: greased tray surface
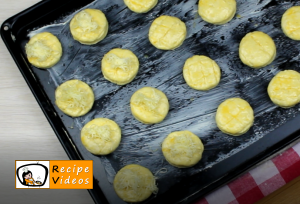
189 109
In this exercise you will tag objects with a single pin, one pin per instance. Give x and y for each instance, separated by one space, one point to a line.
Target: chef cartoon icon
27 178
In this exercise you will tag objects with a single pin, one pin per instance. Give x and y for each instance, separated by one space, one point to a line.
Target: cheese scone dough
149 105
43 50
89 26
182 149
120 66
201 73
234 116
101 136
74 97
290 23
167 32
257 49
140 6
134 183
217 11
284 89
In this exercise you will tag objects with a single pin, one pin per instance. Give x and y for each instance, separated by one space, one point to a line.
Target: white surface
221 196
264 172
25 132
297 148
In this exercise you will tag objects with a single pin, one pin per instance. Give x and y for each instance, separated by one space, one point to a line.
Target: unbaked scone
101 136
290 23
89 26
140 6
134 183
74 97
120 66
234 116
201 72
284 89
149 105
257 49
182 149
167 32
217 11
43 50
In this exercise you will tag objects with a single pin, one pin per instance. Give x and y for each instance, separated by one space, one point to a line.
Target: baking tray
225 157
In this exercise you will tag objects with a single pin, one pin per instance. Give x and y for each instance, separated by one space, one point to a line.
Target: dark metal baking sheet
225 157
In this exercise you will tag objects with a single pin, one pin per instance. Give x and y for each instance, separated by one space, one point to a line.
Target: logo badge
32 174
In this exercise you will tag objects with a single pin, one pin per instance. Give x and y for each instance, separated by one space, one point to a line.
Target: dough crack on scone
284 88
290 23
169 29
261 47
158 27
205 74
217 11
201 73
294 30
234 116
167 32
257 49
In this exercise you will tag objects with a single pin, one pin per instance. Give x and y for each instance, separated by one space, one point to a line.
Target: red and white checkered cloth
259 182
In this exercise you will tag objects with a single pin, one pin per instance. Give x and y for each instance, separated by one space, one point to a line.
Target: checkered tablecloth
259 182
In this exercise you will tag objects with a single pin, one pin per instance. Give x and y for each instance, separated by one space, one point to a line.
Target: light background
25 134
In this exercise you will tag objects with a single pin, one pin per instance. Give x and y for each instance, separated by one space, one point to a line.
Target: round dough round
43 50
234 116
74 97
182 149
217 11
140 6
257 49
201 73
120 66
290 23
89 26
149 105
101 136
167 33
134 183
284 89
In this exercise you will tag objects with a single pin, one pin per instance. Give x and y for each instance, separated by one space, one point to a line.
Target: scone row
90 26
